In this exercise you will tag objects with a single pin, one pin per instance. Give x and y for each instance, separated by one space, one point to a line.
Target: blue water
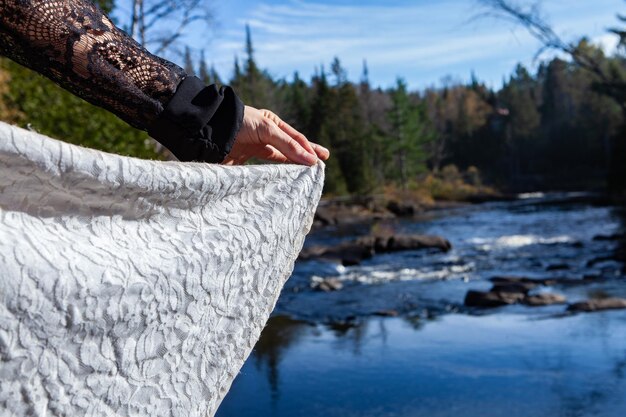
325 354
498 365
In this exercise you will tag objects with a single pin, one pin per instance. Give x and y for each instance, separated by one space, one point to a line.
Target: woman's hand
263 135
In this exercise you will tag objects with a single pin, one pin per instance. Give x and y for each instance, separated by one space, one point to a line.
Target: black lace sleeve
74 44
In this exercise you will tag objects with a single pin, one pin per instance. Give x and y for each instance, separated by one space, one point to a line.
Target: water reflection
344 360
603 388
280 333
502 364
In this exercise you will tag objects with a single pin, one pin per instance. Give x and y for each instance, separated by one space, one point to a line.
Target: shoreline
355 210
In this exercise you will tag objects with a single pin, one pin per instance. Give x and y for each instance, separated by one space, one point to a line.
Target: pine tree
518 97
255 86
203 70
214 76
298 104
321 130
237 70
348 132
189 65
237 80
409 135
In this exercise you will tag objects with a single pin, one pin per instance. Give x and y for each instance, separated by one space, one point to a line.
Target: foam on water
517 241
370 275
527 196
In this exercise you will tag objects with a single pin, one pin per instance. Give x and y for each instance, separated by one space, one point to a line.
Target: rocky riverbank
350 211
343 211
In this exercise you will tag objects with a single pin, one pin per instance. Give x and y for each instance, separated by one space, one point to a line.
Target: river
332 354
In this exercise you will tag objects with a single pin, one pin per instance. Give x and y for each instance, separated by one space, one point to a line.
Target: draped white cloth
132 287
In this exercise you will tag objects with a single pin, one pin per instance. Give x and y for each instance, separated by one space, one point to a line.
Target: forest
558 127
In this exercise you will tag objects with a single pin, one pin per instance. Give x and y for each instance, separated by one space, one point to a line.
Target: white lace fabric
132 287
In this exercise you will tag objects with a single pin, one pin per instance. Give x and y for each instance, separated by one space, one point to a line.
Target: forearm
74 44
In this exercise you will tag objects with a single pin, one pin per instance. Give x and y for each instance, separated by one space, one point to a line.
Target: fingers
311 147
322 152
289 147
265 152
264 135
291 131
269 153
297 136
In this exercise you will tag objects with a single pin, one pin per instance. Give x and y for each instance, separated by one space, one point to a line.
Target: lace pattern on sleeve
73 43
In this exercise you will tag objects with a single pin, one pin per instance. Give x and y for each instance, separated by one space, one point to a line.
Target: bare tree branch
528 14
150 18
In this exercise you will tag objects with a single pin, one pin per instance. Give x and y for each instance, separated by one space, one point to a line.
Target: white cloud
413 39
607 42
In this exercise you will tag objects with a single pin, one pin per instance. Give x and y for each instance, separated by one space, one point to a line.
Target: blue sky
422 41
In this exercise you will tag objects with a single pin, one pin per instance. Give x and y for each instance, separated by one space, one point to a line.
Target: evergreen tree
347 134
203 71
320 129
298 104
214 76
523 122
254 86
409 135
237 75
189 65
372 146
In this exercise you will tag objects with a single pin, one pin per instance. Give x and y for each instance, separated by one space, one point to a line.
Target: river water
331 354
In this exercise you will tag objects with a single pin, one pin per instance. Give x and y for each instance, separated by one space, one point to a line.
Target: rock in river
544 299
326 284
492 298
512 290
409 242
352 253
598 304
557 267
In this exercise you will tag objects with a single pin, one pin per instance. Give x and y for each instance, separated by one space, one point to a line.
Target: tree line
553 128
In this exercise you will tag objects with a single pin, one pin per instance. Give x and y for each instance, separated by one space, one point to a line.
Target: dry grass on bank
448 184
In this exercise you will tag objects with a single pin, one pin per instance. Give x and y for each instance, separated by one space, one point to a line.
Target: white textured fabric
137 288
